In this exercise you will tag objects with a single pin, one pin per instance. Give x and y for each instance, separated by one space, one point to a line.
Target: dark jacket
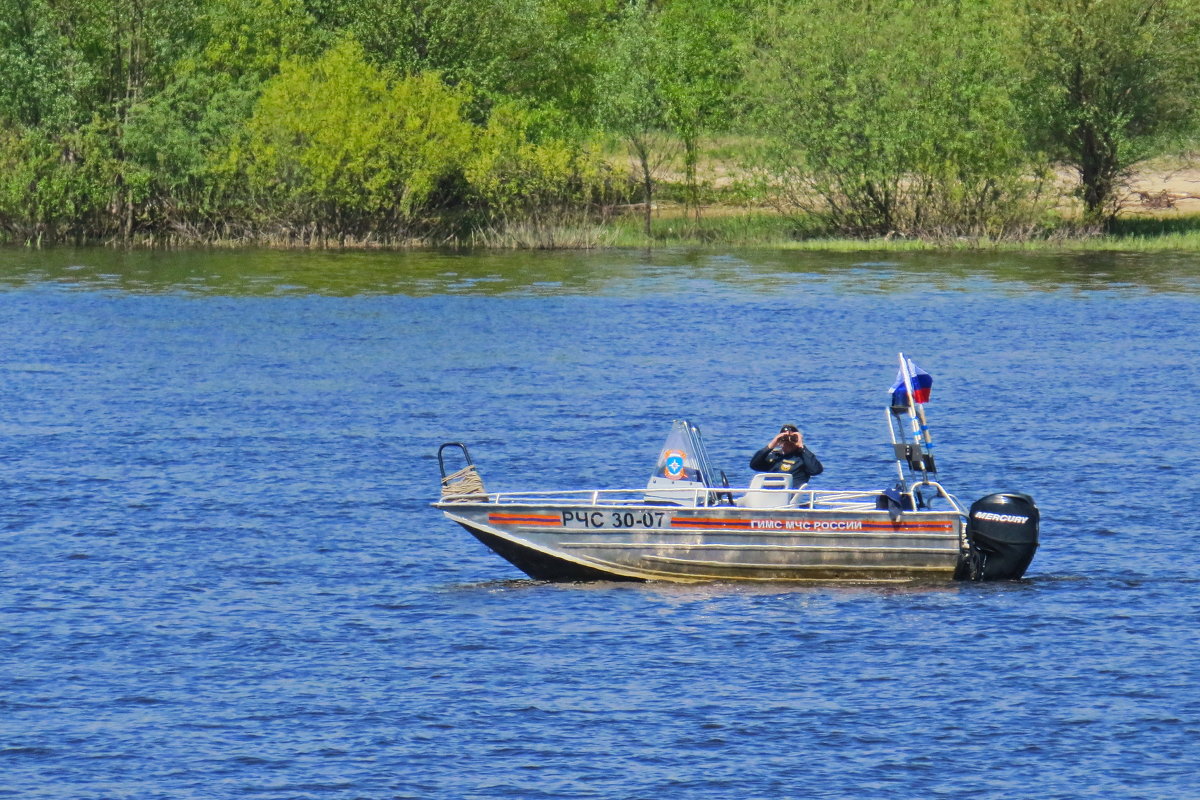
802 465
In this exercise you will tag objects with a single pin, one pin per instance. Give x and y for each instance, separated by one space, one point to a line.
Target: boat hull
684 544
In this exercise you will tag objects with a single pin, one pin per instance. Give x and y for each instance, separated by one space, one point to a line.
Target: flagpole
930 463
917 426
920 409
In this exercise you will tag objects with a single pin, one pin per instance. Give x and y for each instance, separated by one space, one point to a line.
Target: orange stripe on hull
717 523
908 526
525 519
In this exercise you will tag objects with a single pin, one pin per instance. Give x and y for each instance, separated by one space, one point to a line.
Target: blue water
220 576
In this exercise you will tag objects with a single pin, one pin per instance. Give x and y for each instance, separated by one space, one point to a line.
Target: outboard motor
1002 532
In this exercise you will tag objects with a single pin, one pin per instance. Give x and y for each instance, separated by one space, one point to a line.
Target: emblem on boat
674 464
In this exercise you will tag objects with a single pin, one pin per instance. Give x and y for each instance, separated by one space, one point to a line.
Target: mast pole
913 417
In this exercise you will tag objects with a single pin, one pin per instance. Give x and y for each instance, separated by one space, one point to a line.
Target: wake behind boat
687 523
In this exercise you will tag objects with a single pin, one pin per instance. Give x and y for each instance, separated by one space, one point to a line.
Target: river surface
220 576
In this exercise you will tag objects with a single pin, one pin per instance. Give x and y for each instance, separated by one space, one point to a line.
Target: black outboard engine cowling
1002 531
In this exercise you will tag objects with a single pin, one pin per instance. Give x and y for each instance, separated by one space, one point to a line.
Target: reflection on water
429 272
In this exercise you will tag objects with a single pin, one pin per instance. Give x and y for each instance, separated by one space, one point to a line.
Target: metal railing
811 499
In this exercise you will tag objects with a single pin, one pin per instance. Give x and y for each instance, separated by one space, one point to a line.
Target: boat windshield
682 465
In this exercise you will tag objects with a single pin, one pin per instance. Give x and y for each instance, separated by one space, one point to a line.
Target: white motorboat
688 524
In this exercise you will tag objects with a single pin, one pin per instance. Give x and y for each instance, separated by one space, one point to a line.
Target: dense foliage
318 121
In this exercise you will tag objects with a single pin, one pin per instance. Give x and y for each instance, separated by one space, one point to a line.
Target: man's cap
789 428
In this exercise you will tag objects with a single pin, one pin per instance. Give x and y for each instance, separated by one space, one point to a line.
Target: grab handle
442 460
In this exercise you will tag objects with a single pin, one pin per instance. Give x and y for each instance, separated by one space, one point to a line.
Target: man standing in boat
787 453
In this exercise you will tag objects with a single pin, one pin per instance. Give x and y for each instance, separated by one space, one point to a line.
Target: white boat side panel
714 543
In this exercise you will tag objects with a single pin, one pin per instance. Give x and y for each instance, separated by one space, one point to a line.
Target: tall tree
697 75
891 119
540 52
187 133
106 56
1112 82
35 64
631 101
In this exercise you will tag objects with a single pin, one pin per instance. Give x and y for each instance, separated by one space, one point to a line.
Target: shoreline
1161 212
736 228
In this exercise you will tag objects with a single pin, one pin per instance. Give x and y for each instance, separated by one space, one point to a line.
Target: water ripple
222 576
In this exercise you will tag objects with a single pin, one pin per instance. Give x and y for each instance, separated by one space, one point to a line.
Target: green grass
758 228
743 228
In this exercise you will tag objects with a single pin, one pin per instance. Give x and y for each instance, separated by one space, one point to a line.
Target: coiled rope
465 484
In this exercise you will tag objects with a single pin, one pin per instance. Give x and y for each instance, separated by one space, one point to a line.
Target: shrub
340 143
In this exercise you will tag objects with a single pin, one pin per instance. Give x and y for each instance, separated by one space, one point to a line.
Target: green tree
72 71
351 150
188 133
697 75
1112 82
894 119
630 101
35 62
59 187
519 169
539 52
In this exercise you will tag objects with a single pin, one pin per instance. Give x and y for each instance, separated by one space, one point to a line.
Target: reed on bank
752 228
763 228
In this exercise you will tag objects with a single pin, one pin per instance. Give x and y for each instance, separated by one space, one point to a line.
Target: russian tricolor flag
922 383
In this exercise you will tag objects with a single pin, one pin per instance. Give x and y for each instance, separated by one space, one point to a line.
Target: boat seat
766 491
